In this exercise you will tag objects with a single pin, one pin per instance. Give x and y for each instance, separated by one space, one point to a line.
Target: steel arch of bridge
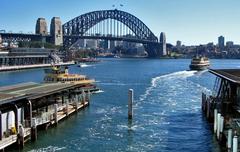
78 26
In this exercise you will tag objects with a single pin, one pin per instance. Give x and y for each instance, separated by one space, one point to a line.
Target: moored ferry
58 74
199 63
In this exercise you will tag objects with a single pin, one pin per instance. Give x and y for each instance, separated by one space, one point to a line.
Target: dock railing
45 117
6 141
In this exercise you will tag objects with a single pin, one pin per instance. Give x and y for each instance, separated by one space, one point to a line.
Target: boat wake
168 77
85 65
99 91
49 148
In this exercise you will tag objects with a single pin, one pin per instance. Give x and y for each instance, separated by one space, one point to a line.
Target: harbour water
167 108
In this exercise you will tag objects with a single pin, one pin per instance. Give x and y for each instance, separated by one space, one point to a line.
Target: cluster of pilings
222 125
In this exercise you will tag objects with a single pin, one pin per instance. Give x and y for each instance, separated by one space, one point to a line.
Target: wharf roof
232 75
31 90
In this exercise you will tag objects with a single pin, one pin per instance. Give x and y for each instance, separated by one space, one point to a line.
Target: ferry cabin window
238 96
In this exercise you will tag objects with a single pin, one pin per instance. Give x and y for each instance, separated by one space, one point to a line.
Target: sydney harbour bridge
112 25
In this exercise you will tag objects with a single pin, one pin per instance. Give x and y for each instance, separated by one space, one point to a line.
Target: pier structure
24 108
222 108
28 56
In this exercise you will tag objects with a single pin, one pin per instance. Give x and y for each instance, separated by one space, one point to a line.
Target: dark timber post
34 129
16 117
130 102
20 137
30 112
0 125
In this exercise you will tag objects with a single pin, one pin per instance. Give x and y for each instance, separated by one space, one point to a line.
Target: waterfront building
112 45
221 42
56 31
128 45
41 26
210 44
163 44
120 43
81 43
92 43
26 56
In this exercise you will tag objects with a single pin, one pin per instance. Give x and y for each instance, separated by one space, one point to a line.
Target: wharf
33 106
23 67
222 108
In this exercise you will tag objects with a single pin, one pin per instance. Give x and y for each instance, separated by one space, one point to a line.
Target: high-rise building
163 44
178 44
221 42
41 26
56 31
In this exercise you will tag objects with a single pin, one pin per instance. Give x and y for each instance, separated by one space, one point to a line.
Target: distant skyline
193 22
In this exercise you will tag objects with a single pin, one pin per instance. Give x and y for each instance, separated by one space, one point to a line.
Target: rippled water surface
167 108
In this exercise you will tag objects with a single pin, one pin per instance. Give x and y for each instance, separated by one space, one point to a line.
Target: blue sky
191 21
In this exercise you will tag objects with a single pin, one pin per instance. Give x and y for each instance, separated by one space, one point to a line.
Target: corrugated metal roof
232 75
31 90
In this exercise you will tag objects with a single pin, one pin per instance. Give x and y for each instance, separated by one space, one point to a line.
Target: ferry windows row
74 79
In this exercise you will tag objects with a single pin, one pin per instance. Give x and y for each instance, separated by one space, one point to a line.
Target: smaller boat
116 56
58 74
199 63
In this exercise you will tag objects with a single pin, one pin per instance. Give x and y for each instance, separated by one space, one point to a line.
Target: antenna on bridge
115 6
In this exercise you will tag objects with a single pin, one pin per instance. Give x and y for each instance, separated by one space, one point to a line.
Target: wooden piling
215 121
67 102
34 130
130 102
20 137
221 128
83 97
218 125
229 141
208 109
55 113
235 143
